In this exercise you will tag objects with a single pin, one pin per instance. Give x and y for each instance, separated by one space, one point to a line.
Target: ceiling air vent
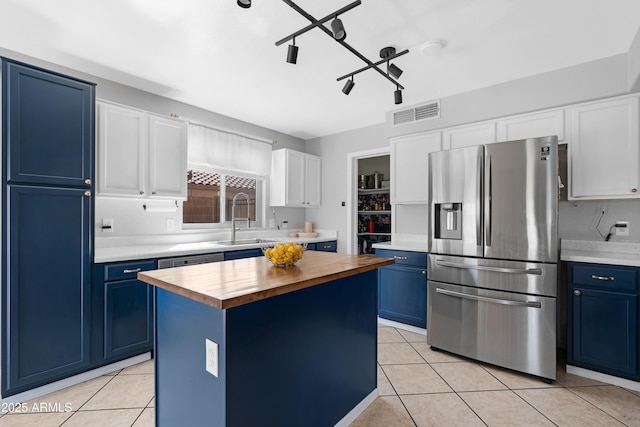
421 112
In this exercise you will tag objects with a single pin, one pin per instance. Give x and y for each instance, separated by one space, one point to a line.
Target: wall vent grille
421 112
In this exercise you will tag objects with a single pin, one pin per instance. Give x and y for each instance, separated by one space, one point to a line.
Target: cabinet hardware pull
87 193
153 193
134 270
87 181
141 193
605 278
399 257
326 247
634 190
576 292
424 273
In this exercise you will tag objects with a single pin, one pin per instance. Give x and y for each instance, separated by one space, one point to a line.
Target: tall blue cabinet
47 216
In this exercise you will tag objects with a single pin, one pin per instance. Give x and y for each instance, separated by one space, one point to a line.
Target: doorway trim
352 192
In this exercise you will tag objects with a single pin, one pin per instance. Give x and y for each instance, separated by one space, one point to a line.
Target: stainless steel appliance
493 253
190 260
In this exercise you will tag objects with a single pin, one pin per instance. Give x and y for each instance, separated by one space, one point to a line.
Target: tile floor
417 386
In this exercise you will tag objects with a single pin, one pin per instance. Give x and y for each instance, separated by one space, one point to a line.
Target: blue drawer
418 259
127 270
326 246
609 277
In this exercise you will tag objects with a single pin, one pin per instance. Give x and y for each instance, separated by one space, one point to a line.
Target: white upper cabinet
409 167
469 135
544 123
604 153
140 154
295 179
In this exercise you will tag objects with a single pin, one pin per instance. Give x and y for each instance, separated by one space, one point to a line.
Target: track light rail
382 61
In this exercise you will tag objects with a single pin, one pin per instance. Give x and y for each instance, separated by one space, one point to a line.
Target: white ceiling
218 56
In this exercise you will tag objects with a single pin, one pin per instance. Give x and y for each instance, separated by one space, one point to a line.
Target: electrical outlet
171 224
211 363
107 225
622 231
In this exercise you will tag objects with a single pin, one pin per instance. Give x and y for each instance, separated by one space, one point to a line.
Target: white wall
130 219
634 64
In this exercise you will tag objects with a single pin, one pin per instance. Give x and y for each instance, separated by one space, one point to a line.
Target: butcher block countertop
230 284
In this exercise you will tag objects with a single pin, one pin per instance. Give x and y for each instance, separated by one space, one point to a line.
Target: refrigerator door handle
532 304
488 201
536 271
479 204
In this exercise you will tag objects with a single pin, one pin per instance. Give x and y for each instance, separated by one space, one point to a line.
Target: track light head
348 86
394 70
292 54
397 96
245 4
338 29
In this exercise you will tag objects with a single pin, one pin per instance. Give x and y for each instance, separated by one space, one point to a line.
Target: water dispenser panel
447 221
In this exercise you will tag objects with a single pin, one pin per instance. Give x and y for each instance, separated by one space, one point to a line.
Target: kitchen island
243 342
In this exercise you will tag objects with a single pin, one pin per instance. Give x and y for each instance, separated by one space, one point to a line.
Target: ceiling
220 57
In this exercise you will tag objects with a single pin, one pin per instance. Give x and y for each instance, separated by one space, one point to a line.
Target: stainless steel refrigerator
493 253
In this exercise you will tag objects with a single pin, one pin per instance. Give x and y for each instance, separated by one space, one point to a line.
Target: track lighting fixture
394 70
348 86
246 4
292 53
338 29
397 96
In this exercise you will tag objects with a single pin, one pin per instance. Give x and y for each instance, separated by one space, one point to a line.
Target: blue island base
304 358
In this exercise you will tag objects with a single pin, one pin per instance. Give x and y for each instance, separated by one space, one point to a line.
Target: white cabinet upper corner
295 179
469 135
409 166
140 154
604 153
533 125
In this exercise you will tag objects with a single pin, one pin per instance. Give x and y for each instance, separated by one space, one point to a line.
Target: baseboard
387 322
76 379
358 409
599 376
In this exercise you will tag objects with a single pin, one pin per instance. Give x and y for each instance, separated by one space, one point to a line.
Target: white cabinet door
469 135
312 180
409 167
295 179
167 157
121 150
604 152
545 123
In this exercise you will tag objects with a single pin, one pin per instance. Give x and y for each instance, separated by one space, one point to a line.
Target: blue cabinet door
403 295
128 318
603 333
46 300
49 127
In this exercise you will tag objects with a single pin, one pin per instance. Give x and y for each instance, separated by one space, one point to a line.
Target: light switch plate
211 349
107 225
622 231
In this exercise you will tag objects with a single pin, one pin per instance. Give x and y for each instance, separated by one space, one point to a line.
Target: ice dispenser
448 224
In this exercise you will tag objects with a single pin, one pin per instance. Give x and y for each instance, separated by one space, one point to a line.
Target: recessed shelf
374 212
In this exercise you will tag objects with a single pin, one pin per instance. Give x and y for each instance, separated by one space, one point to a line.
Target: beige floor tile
384 386
74 396
503 408
415 379
636 392
389 334
412 336
517 380
615 401
570 380
124 391
433 356
39 420
565 408
397 353
467 376
385 411
152 404
140 368
105 418
146 419
440 409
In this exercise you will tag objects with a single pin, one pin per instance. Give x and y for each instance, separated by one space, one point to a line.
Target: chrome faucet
233 215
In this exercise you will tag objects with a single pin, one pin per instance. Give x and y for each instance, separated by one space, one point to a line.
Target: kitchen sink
240 242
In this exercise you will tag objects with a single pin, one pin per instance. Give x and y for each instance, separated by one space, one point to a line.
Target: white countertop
599 252
408 242
134 248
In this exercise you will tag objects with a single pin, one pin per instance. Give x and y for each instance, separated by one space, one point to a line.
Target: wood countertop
229 284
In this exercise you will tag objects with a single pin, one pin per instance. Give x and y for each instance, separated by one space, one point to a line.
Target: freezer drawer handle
605 278
535 271
533 304
134 270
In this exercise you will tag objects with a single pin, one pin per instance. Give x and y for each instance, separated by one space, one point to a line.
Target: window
210 198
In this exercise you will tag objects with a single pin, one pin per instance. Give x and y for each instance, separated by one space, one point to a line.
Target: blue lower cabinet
245 253
603 319
403 295
122 311
331 246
